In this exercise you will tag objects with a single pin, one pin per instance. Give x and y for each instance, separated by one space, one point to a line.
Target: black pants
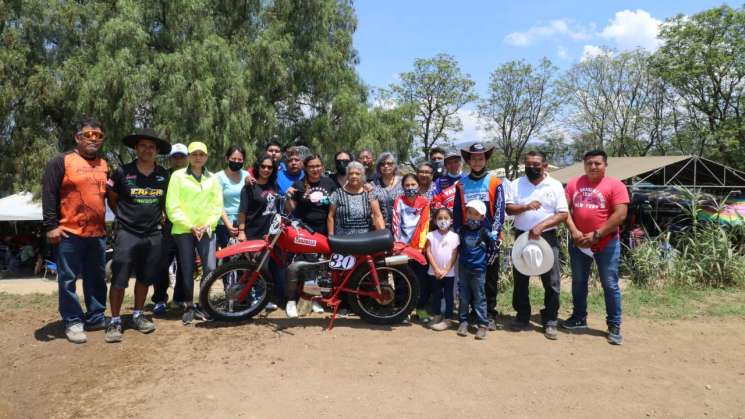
492 287
425 285
160 288
551 286
188 247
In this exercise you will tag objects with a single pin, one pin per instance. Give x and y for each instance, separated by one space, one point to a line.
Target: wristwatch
596 235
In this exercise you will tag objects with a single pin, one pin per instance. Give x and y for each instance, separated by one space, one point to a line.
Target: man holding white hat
539 205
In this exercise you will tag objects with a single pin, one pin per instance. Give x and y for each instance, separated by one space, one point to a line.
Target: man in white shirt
538 204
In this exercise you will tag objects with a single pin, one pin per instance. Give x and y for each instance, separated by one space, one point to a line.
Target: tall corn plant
709 254
648 265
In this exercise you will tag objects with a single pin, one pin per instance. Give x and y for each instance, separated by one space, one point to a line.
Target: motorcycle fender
412 253
249 246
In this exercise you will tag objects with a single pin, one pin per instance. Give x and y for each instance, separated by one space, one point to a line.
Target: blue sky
482 34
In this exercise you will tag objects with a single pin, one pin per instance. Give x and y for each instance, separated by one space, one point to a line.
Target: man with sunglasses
73 193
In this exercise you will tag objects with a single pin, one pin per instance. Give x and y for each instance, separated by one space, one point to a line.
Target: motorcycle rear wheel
218 295
399 284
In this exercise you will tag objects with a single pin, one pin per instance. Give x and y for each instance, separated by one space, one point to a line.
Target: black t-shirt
312 205
259 203
142 199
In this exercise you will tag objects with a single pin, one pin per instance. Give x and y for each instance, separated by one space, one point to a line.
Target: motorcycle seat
361 244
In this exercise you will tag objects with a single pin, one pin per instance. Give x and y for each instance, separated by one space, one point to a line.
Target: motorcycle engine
317 278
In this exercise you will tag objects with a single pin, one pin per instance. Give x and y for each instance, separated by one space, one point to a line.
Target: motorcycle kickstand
336 305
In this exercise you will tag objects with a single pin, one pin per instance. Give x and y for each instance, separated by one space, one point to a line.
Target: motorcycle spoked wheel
218 295
400 289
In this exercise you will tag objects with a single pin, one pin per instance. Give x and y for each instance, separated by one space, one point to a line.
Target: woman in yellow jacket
194 205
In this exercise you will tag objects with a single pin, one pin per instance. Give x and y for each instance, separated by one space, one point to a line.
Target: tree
702 59
219 71
616 103
520 104
434 92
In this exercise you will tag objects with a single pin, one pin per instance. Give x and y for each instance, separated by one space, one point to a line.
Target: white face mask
443 224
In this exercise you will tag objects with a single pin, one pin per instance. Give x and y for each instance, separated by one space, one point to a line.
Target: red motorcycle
366 271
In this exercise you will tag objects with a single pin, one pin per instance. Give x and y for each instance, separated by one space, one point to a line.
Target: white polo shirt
550 193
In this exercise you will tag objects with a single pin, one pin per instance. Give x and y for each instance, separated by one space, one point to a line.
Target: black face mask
235 165
439 167
533 173
341 167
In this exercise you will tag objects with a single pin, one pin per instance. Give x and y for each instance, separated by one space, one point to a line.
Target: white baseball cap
479 206
178 148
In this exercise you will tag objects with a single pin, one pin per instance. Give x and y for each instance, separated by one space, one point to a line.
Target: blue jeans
607 261
471 292
82 257
440 287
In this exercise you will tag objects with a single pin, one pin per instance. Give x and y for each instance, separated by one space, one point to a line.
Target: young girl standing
441 251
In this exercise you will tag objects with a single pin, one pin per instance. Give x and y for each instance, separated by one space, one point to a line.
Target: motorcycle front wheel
400 289
219 293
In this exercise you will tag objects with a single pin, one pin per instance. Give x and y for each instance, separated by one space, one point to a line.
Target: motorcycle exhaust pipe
396 260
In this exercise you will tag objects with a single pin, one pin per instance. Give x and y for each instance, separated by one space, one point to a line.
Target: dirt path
279 368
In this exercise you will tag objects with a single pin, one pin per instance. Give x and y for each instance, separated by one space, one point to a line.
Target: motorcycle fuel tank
299 240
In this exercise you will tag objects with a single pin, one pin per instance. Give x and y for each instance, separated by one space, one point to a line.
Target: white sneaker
270 306
291 309
75 333
316 307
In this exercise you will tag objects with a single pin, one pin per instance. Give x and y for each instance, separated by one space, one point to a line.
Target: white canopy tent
21 207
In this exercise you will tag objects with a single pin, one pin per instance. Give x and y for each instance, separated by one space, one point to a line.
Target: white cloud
633 29
472 130
555 27
591 51
562 52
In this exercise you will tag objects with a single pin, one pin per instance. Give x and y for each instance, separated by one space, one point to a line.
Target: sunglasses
92 135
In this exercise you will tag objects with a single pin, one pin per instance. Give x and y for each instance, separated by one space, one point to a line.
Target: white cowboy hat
532 257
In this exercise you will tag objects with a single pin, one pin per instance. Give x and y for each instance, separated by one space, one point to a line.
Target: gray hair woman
387 185
352 207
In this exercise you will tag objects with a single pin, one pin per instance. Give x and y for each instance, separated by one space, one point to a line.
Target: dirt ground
274 367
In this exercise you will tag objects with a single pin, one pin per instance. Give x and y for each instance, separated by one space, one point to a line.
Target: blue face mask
474 224
411 192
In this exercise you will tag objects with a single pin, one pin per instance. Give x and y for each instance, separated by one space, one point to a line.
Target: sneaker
188 316
435 319
316 307
442 325
99 325
270 306
574 322
550 332
142 324
291 309
481 332
159 309
519 325
113 333
614 335
75 333
463 329
422 315
201 315
492 324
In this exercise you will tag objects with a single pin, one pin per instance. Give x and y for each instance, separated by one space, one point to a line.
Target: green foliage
648 264
520 105
701 58
219 71
433 92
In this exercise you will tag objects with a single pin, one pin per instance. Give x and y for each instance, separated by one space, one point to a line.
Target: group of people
455 218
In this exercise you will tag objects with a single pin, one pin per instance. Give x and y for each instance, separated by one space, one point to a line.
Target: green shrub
707 257
649 263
